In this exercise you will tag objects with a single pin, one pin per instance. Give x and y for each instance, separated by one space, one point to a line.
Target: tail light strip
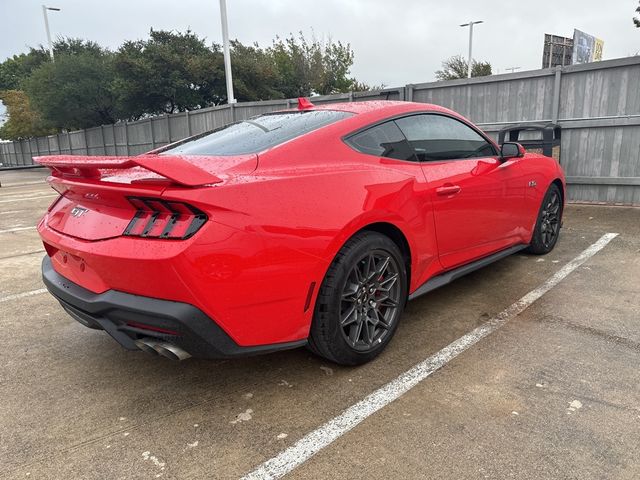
165 219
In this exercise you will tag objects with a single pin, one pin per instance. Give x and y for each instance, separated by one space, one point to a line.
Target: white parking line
28 198
17 229
18 296
37 182
315 441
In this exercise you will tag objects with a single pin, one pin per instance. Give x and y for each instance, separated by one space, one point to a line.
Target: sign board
557 51
586 48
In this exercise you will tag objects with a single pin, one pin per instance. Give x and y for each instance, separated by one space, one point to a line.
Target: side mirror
511 150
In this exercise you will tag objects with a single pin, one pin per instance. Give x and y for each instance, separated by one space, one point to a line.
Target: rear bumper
121 315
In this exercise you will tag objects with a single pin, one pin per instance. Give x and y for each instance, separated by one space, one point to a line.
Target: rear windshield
256 134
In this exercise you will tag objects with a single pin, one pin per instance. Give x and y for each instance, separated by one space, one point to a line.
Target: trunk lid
96 192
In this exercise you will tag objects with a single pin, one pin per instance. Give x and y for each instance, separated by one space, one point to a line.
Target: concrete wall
597 105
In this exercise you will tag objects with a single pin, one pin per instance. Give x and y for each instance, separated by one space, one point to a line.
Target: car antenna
304 103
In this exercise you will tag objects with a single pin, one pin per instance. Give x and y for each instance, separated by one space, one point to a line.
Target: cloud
394 42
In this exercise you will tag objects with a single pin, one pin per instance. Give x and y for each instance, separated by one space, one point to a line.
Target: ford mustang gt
310 226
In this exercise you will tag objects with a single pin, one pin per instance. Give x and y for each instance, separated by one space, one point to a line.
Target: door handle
448 189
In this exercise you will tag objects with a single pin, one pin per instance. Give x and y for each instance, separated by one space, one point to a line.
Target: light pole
225 49
470 25
46 26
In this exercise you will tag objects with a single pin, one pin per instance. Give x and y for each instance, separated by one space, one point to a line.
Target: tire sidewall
342 269
537 246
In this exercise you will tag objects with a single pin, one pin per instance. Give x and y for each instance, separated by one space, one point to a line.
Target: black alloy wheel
370 300
547 229
360 301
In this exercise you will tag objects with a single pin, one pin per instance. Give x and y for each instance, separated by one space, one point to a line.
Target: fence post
30 153
20 161
126 136
409 92
555 112
23 160
188 123
104 141
37 148
233 112
113 135
168 128
153 136
86 141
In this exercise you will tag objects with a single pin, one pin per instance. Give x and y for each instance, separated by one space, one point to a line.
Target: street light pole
46 26
470 25
225 49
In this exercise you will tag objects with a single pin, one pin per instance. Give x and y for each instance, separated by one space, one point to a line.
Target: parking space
551 394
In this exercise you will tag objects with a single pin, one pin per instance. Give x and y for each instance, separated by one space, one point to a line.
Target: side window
437 137
384 140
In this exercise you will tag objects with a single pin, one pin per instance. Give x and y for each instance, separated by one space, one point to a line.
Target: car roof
380 108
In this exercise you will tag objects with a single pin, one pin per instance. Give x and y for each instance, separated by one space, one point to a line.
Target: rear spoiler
175 168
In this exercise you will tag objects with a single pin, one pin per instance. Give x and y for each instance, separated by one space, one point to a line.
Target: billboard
586 48
557 50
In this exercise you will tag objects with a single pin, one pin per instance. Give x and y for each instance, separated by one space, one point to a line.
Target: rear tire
547 229
360 300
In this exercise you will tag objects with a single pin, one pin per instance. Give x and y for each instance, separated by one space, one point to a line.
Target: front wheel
360 301
547 229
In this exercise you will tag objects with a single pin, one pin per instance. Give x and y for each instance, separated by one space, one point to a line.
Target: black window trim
348 136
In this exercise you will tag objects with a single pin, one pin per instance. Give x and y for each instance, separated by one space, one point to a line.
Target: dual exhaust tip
158 347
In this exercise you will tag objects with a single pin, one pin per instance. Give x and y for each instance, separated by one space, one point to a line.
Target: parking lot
551 392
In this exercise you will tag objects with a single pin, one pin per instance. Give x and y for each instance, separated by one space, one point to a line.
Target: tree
255 73
15 70
457 67
23 121
307 68
77 90
88 85
636 20
169 72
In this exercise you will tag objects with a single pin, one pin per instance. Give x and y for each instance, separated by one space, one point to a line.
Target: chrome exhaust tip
147 345
171 352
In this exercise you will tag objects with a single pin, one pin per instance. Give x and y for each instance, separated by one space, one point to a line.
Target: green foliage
15 70
636 20
255 73
23 121
457 67
168 72
307 68
76 91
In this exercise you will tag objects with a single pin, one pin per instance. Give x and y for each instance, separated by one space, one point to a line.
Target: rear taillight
156 218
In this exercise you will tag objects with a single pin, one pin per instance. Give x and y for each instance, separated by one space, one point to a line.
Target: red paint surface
277 220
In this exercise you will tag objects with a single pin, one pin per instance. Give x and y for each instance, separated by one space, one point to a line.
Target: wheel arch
557 182
397 236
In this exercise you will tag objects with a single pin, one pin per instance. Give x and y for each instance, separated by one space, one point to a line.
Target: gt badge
78 211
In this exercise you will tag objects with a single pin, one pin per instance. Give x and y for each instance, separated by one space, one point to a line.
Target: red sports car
309 227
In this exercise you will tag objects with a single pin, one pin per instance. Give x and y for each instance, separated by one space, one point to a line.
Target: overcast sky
395 42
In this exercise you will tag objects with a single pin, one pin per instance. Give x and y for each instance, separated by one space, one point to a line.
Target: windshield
257 134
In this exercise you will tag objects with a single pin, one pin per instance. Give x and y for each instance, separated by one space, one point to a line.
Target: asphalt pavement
551 393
